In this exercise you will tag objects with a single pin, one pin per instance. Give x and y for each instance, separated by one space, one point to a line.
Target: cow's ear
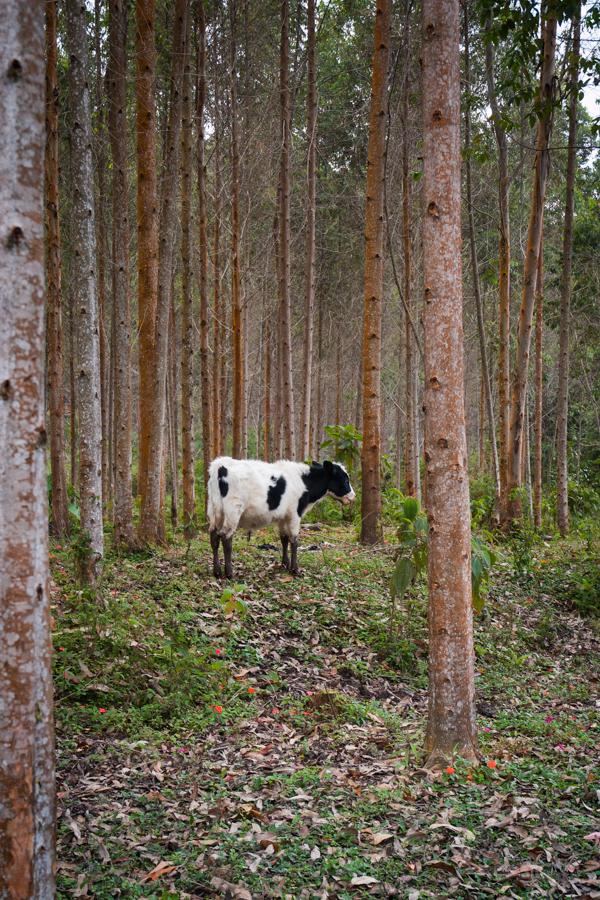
328 466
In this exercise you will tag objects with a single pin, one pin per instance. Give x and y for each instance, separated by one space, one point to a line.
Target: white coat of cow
249 494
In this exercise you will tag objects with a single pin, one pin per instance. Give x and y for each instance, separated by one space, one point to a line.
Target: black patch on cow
315 482
275 492
223 485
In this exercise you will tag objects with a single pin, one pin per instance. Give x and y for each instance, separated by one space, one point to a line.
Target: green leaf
402 576
411 508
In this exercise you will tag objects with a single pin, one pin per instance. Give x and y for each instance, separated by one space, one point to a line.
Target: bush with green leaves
413 534
343 442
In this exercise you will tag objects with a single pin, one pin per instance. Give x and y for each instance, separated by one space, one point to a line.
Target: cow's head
338 483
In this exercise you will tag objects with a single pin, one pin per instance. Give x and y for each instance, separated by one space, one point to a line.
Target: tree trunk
218 365
54 324
267 392
83 275
503 282
562 490
147 224
542 163
207 424
451 720
172 419
151 514
117 120
374 233
284 239
311 207
485 369
27 804
188 475
239 390
539 327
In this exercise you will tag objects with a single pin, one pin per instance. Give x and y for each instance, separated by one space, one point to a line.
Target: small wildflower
492 764
469 776
101 709
560 747
218 652
450 770
251 690
61 649
218 709
274 711
309 693
549 719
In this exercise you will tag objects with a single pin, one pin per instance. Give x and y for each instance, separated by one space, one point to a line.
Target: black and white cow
249 494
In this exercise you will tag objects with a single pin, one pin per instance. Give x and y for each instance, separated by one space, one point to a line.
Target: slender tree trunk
562 497
203 248
54 323
73 395
27 799
451 720
83 274
147 224
311 207
503 282
151 515
374 233
117 82
188 475
284 238
319 416
485 369
542 163
236 308
172 419
217 313
539 327
481 463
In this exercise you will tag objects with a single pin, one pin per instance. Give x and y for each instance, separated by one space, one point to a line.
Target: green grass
309 777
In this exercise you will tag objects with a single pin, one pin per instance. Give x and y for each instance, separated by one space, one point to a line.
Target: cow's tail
214 505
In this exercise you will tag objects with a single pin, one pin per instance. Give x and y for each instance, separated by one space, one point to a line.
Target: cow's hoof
229 573
295 571
217 571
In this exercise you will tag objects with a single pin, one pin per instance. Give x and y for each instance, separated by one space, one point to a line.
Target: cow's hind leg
294 563
285 560
227 552
214 543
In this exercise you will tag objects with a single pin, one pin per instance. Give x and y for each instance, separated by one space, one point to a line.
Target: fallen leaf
163 868
229 889
363 879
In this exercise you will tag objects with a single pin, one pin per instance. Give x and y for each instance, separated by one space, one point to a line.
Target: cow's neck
316 483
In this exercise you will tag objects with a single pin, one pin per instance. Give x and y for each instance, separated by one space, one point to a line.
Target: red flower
492 764
218 709
450 770
274 711
101 709
251 690
218 651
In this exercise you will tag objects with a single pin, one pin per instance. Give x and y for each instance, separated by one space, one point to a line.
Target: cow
249 494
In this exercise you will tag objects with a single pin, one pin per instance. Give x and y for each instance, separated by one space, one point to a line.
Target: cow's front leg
285 560
294 563
227 552
214 543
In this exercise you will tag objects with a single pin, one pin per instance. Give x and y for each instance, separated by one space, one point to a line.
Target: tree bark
451 719
485 368
239 390
542 164
54 321
27 799
124 534
562 490
504 254
539 328
218 365
311 207
83 275
151 514
188 475
284 238
147 224
374 233
203 249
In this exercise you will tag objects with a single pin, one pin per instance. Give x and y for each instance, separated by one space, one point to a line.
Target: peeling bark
26 726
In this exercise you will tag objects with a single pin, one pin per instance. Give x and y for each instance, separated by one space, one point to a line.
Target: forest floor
267 740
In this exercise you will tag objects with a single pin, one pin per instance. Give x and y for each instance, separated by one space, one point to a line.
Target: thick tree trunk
451 721
26 725
239 390
542 164
117 120
562 491
147 224
203 250
188 475
539 328
83 275
151 514
311 207
284 239
503 282
485 369
374 233
54 323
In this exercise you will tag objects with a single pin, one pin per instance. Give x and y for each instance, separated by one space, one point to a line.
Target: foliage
343 442
412 558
